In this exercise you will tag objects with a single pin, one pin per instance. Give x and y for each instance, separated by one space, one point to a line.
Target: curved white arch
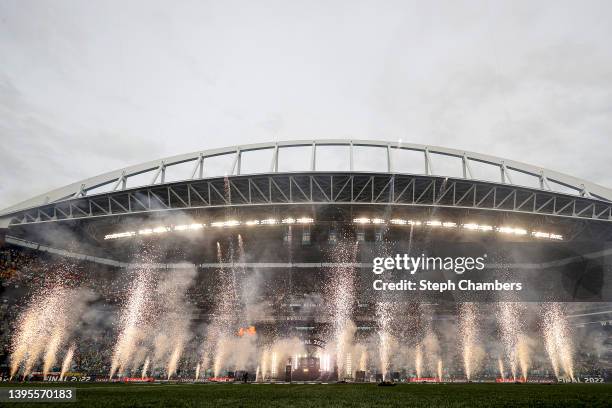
157 168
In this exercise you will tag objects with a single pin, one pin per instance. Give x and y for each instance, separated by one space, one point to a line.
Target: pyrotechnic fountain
174 321
341 291
418 360
509 327
468 331
43 328
265 356
174 357
220 330
220 355
383 314
139 357
363 360
348 366
517 352
132 320
154 323
52 349
67 362
273 364
500 366
557 340
145 367
524 356
426 352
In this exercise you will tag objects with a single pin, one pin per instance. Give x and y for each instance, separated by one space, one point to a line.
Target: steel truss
390 153
321 189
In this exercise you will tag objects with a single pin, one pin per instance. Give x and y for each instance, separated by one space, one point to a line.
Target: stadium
254 264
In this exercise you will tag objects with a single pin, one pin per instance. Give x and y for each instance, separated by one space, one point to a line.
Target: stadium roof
518 187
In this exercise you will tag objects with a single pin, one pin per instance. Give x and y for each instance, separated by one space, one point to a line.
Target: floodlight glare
511 230
398 221
269 221
361 220
305 220
120 235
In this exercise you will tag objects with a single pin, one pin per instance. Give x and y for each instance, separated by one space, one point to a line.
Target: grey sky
87 87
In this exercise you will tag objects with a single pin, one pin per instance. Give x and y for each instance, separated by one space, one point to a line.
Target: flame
248 331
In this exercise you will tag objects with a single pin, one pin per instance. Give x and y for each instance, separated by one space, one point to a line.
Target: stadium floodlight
120 235
361 220
228 223
188 227
146 231
378 221
433 223
398 221
477 227
512 230
160 230
449 224
540 234
252 222
305 220
269 221
288 220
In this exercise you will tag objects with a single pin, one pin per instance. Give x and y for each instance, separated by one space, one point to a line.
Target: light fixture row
468 226
215 224
510 230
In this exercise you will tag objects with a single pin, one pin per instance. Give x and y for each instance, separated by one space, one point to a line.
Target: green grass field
333 395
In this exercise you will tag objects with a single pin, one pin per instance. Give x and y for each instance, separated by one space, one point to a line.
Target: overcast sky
90 86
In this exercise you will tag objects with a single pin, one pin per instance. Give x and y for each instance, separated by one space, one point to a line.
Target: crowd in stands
12 261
